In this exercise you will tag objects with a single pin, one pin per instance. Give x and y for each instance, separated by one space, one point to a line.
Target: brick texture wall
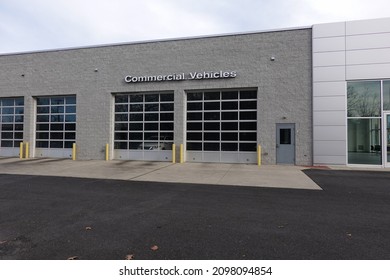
284 85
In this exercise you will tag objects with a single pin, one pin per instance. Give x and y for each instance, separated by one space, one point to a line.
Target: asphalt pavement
49 217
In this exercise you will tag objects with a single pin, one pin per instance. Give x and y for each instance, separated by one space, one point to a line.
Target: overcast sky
28 25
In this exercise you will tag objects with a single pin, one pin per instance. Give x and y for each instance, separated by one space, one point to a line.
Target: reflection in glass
211 95
56 122
57 100
136 107
228 122
194 136
56 144
212 136
42 135
229 147
151 126
19 101
136 98
43 110
151 107
121 99
285 136
386 95
388 137
364 99
211 126
194 146
211 146
150 122
194 96
166 116
244 105
151 97
229 95
8 110
119 108
70 100
364 141
248 147
251 94
166 97
231 105
166 107
211 105
194 106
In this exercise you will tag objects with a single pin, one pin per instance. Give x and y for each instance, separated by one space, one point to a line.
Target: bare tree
362 103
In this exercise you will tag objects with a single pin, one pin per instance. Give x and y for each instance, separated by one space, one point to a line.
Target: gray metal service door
285 143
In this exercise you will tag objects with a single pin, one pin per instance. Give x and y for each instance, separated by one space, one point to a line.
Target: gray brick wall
284 85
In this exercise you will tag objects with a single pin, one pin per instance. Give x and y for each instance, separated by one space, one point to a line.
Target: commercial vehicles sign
181 76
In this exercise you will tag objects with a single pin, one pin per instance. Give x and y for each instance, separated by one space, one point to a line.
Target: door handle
277 145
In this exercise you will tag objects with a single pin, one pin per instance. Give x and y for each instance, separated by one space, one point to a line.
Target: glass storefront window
386 95
364 99
364 141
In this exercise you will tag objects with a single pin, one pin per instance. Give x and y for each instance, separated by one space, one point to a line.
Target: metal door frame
293 137
386 163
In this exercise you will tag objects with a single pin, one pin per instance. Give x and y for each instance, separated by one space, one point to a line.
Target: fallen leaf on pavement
349 234
73 258
154 248
129 257
3 242
88 228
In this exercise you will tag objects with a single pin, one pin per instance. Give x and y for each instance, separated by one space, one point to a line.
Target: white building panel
372 56
329 103
367 57
329 160
368 71
330 148
329 59
329 30
328 44
329 88
332 73
380 25
329 118
329 133
370 41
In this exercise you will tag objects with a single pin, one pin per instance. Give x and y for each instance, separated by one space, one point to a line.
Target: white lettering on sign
181 77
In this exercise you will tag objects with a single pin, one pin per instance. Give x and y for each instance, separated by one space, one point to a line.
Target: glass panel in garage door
55 125
224 122
144 126
11 125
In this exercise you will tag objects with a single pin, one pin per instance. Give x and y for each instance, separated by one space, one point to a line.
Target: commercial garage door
144 126
55 126
11 125
222 126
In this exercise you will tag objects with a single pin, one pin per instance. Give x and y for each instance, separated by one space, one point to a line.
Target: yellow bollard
259 155
27 154
107 152
21 150
173 153
181 153
74 151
